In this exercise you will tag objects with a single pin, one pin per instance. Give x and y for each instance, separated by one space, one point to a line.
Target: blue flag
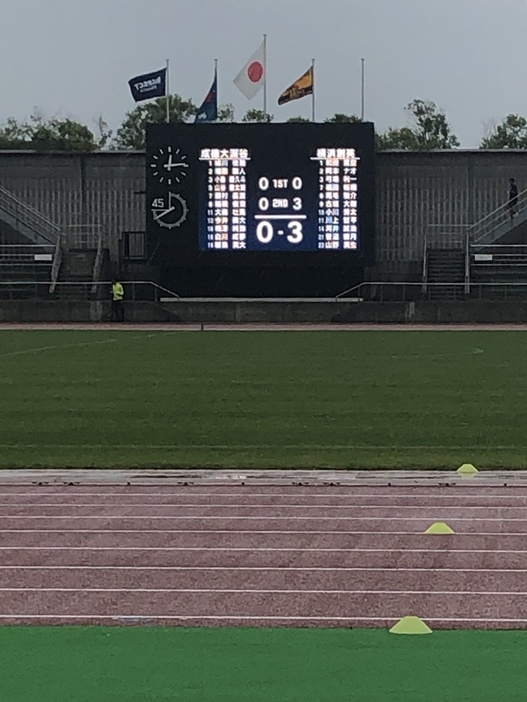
149 85
208 112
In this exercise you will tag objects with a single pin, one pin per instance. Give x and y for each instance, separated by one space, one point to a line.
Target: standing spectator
117 301
513 196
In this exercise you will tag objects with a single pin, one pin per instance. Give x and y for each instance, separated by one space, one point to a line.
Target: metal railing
496 218
499 254
26 255
446 236
134 291
57 262
97 266
83 236
382 291
27 215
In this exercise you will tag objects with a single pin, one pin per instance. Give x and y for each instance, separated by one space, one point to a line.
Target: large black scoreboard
264 195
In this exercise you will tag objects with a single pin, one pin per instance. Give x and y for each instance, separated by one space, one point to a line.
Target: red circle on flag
255 72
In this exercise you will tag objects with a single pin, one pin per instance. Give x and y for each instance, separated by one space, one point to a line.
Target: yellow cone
411 626
467 469
439 528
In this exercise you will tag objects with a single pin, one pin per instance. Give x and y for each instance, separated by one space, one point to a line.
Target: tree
510 134
404 138
56 134
298 119
226 113
132 132
13 135
340 118
254 115
62 135
429 130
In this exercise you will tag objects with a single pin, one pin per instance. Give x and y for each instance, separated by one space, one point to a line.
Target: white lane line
350 492
266 569
291 532
270 591
55 348
120 505
248 618
240 549
284 549
233 517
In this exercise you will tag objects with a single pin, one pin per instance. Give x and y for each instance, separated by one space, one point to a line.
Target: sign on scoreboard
262 190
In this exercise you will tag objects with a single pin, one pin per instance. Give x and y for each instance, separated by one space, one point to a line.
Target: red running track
263 556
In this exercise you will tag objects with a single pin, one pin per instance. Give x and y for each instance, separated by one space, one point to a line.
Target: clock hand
171 165
162 213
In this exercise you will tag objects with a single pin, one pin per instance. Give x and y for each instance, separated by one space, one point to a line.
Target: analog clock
169 165
169 212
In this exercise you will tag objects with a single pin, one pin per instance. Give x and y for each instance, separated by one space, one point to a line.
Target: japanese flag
251 78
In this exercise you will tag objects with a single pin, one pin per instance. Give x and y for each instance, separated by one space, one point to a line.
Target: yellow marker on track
439 528
467 469
411 626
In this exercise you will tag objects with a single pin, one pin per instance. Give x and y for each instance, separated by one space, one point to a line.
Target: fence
135 291
499 254
496 219
31 218
82 236
26 255
408 292
447 236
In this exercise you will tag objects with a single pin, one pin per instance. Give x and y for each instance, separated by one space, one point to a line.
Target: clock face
170 212
169 165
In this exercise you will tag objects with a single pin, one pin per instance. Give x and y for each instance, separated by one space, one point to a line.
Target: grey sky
73 58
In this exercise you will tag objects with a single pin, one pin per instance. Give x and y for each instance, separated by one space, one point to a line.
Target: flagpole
168 92
265 74
216 83
216 77
362 91
313 106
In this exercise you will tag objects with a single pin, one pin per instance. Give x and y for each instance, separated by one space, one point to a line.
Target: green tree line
427 129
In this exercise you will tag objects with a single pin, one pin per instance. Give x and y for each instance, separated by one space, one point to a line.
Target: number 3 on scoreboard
296 234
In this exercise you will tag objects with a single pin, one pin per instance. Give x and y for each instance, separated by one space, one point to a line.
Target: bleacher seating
25 270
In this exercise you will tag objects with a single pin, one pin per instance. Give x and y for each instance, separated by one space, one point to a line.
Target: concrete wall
413 190
80 189
452 188
189 312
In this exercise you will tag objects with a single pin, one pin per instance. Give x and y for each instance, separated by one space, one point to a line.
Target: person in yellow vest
117 301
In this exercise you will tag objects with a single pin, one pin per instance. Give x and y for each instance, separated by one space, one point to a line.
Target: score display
284 212
267 189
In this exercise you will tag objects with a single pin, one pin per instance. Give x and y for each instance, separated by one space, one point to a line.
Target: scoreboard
291 206
237 194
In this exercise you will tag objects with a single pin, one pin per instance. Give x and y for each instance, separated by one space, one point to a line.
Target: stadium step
446 273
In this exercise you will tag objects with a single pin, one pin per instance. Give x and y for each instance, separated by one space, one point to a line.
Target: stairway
25 271
446 267
76 275
26 220
499 227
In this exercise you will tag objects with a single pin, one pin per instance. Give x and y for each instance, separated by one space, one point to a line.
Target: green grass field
254 665
263 399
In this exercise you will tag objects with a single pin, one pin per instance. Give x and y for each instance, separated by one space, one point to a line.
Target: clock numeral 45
159 202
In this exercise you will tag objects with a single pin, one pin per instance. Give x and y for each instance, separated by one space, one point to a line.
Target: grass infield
263 399
255 665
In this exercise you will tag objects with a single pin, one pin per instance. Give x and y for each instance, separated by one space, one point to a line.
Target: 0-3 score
283 208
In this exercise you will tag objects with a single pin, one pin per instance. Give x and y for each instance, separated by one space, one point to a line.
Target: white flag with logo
251 78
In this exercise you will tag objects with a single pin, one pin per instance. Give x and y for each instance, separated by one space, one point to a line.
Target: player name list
337 192
337 227
226 197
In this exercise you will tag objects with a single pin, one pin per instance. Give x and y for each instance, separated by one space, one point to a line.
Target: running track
263 554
